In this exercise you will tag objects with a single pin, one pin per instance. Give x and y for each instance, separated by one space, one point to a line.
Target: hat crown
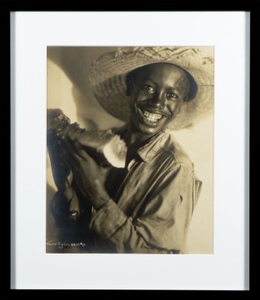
117 62
167 52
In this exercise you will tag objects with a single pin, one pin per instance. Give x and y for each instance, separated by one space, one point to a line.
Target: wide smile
149 118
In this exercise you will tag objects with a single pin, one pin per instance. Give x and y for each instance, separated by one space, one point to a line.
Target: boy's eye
172 95
148 88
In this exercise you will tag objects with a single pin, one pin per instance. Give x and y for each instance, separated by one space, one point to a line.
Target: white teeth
152 117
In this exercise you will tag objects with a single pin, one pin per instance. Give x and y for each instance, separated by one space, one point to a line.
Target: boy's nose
158 100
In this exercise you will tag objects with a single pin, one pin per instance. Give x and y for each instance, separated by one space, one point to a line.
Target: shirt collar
149 150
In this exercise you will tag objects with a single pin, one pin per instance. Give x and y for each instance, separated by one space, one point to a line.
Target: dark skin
156 95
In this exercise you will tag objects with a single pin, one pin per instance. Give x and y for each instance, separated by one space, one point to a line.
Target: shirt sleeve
163 222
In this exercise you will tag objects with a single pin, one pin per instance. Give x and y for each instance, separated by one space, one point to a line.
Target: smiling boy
156 94
147 206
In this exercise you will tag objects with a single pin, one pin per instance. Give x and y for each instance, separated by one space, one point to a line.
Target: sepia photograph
130 140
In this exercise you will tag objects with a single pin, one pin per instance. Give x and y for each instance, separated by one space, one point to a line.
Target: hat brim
108 74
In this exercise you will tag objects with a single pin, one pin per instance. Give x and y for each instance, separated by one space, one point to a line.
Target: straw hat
108 73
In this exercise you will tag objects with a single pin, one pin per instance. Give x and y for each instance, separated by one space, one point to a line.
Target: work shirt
152 201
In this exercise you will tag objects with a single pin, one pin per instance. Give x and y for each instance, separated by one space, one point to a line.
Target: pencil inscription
61 245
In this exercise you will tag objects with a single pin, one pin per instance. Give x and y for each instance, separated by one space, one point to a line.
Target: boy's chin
145 130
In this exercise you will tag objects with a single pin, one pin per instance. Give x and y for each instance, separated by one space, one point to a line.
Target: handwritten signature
65 244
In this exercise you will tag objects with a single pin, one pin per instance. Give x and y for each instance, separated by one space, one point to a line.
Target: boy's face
156 95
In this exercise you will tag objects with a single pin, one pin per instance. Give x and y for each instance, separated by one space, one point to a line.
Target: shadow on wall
72 93
74 62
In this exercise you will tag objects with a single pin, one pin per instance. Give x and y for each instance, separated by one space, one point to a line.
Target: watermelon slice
104 147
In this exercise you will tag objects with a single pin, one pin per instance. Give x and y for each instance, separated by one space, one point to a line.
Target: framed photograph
62 73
